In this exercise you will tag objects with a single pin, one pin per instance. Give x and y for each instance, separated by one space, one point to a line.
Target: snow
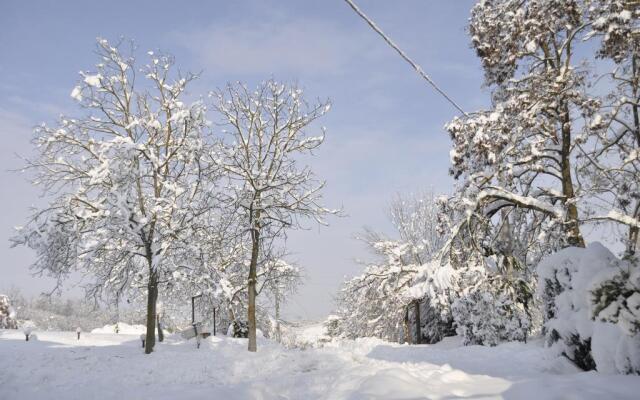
625 15
526 201
624 219
532 46
123 328
110 366
93 80
580 272
76 93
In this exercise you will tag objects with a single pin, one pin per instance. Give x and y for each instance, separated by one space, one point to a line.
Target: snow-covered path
110 366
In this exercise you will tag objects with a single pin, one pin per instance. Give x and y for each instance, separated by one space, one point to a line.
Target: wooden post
193 308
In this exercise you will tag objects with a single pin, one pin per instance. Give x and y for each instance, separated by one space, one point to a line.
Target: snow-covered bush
493 312
616 300
590 300
238 329
7 314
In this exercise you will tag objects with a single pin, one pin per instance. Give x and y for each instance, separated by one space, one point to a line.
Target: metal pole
193 310
214 321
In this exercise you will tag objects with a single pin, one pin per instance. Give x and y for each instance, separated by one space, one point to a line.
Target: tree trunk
253 267
160 333
574 237
416 310
152 297
405 326
633 230
277 301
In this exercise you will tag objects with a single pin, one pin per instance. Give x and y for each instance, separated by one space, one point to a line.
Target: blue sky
385 131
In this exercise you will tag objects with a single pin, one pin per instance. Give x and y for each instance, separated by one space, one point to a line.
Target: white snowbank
110 366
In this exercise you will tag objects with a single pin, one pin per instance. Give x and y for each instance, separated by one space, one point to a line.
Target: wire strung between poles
415 66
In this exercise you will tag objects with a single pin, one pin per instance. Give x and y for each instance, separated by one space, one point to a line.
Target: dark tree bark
416 309
152 297
253 268
160 333
574 237
634 231
405 326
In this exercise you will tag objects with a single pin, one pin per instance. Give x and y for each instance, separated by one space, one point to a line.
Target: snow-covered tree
518 197
216 267
614 167
520 152
281 280
382 301
375 303
124 178
265 136
7 314
415 220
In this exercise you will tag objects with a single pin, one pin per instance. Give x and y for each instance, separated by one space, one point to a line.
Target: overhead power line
415 66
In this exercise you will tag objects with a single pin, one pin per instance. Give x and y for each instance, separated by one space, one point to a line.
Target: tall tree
521 152
124 178
265 134
614 167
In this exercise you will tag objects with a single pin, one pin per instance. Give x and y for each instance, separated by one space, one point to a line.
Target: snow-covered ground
113 366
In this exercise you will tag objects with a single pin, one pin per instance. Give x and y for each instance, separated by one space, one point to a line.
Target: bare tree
265 133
